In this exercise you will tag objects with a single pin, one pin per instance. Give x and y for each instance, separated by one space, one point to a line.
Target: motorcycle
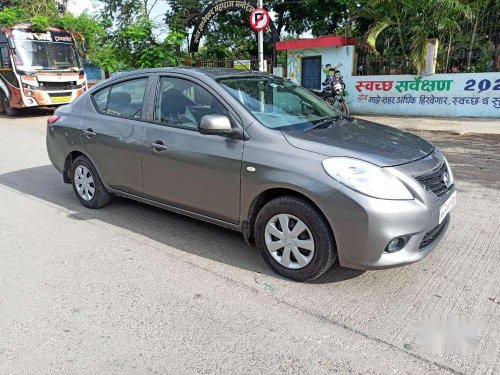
334 94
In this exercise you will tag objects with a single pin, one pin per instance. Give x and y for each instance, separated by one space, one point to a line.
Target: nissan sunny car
261 155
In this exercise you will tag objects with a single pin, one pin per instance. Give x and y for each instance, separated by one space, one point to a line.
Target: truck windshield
36 55
278 103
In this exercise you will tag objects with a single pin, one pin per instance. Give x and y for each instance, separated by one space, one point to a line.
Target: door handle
158 146
89 133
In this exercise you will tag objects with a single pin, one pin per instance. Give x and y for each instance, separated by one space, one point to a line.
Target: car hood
375 143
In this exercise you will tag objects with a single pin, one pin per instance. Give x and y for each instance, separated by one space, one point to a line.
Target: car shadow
178 231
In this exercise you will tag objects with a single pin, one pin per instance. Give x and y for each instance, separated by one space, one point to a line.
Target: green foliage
229 34
32 8
125 37
130 45
405 26
12 15
137 48
40 23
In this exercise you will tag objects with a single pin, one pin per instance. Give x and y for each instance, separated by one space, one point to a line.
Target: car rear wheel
295 239
87 184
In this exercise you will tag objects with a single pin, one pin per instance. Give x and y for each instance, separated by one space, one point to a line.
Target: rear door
111 132
182 167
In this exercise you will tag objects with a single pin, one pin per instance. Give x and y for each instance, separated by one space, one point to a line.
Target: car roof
195 71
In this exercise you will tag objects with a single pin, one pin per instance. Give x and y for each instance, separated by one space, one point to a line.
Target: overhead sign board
49 36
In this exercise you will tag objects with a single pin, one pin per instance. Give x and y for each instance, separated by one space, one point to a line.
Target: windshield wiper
322 124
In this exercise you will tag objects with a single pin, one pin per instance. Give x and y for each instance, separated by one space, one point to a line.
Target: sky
79 6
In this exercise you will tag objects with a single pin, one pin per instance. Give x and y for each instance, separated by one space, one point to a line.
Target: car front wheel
87 184
295 239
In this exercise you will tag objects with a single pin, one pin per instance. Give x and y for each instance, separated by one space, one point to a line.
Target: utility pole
260 42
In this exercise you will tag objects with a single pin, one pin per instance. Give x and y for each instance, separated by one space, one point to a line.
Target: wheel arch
68 162
266 196
70 157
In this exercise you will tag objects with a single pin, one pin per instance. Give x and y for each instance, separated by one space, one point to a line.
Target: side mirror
215 124
84 46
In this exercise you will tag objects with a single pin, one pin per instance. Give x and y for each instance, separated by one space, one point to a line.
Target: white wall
329 55
442 95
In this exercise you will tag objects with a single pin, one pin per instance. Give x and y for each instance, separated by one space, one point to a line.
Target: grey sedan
260 155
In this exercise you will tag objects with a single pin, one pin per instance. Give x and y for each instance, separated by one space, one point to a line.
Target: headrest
120 98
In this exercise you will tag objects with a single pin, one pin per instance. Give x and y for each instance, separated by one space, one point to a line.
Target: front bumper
364 226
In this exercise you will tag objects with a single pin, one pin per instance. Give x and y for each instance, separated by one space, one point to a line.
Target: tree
132 35
411 23
318 16
229 34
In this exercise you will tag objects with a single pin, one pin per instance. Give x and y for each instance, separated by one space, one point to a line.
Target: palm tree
413 22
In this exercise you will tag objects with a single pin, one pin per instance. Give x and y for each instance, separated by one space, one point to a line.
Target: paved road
134 289
458 126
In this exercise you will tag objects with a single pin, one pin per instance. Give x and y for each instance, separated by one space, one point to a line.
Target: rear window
124 99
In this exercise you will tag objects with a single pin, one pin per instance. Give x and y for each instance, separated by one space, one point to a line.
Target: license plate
61 99
447 206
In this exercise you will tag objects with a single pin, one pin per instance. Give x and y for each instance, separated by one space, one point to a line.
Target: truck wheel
9 111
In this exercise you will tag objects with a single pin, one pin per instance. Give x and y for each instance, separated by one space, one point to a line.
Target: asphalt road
131 289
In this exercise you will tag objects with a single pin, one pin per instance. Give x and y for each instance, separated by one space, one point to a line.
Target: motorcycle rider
326 70
327 84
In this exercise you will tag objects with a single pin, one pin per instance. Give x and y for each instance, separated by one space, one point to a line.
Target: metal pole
260 42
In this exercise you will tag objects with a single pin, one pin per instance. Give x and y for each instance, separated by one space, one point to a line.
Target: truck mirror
12 44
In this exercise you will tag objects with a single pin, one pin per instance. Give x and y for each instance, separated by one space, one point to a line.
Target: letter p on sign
259 19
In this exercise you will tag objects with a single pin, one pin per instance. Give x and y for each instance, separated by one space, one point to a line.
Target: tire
314 263
9 111
96 196
344 108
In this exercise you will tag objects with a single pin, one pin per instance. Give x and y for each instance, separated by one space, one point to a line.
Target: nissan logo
446 179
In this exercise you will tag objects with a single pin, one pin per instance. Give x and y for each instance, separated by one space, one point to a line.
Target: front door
311 72
111 133
184 168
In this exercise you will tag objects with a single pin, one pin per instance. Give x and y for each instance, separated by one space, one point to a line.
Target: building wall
441 95
329 55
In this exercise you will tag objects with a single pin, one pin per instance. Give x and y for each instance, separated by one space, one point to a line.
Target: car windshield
278 103
36 55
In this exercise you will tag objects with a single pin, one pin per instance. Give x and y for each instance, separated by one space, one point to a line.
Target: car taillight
52 119
81 76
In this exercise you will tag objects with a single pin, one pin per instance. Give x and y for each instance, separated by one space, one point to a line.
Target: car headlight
366 178
450 173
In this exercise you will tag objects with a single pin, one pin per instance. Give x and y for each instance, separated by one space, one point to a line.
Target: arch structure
219 6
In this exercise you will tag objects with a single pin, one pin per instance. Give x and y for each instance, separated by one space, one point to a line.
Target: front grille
431 236
59 94
53 86
436 181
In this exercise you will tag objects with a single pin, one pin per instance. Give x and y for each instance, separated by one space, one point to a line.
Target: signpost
259 20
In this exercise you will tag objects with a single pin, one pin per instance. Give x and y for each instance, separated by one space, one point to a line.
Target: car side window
183 103
101 99
124 99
